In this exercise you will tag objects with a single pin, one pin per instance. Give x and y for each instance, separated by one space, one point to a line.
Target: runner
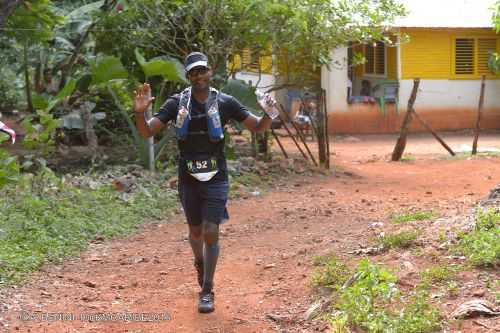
200 113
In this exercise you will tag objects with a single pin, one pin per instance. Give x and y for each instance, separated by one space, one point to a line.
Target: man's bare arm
257 124
148 128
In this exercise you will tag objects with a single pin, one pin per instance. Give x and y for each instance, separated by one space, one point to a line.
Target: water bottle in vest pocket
215 130
182 123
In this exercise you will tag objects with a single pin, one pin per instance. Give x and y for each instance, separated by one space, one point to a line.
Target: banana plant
170 70
245 93
43 134
47 103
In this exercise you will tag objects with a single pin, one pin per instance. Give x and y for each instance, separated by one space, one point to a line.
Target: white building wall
335 81
450 93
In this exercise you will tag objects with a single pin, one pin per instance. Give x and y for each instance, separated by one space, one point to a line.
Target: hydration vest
214 125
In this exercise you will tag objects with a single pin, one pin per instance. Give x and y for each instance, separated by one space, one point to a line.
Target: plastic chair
389 95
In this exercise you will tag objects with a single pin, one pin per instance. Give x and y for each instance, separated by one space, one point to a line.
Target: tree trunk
401 143
86 114
27 80
478 119
6 9
327 136
320 132
263 145
279 143
254 144
434 134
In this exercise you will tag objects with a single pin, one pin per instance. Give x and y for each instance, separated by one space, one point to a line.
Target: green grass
496 289
408 158
466 155
438 274
482 246
412 216
403 239
453 288
330 272
248 179
46 220
372 301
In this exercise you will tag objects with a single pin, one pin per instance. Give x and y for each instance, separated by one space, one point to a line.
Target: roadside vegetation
412 216
481 246
46 218
68 72
367 297
402 239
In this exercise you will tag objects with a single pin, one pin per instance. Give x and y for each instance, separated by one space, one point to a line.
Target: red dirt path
267 246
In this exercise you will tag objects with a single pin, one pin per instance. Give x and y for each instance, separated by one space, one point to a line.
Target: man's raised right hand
142 98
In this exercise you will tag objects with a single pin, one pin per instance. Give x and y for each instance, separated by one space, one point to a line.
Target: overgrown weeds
408 158
482 246
368 298
403 239
46 219
438 274
412 216
329 273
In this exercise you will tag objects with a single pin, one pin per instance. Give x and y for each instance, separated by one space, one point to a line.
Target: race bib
203 169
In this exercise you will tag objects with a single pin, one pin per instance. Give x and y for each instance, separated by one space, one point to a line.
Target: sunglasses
198 71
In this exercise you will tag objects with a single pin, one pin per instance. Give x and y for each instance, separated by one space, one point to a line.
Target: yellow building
449 46
253 68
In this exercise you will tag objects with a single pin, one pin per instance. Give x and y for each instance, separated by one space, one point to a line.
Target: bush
373 302
416 216
481 245
46 219
331 273
403 239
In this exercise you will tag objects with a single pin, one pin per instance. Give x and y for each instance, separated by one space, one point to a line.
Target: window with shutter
464 56
472 55
249 61
485 47
380 59
375 59
370 59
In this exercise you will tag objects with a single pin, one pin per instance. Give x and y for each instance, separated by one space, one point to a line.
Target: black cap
195 59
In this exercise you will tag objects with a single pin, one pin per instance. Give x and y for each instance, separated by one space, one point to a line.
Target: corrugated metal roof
447 14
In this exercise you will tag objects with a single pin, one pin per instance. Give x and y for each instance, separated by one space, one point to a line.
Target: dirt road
267 248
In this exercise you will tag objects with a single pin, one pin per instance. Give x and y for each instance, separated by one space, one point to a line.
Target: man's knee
195 232
210 232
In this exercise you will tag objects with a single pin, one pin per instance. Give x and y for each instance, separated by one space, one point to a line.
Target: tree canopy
86 51
6 9
306 31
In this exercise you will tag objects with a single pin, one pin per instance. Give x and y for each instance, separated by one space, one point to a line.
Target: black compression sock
197 246
209 264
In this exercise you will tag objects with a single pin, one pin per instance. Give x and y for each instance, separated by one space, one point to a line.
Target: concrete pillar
335 81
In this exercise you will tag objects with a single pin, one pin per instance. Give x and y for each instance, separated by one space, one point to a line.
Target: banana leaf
169 68
244 93
107 68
